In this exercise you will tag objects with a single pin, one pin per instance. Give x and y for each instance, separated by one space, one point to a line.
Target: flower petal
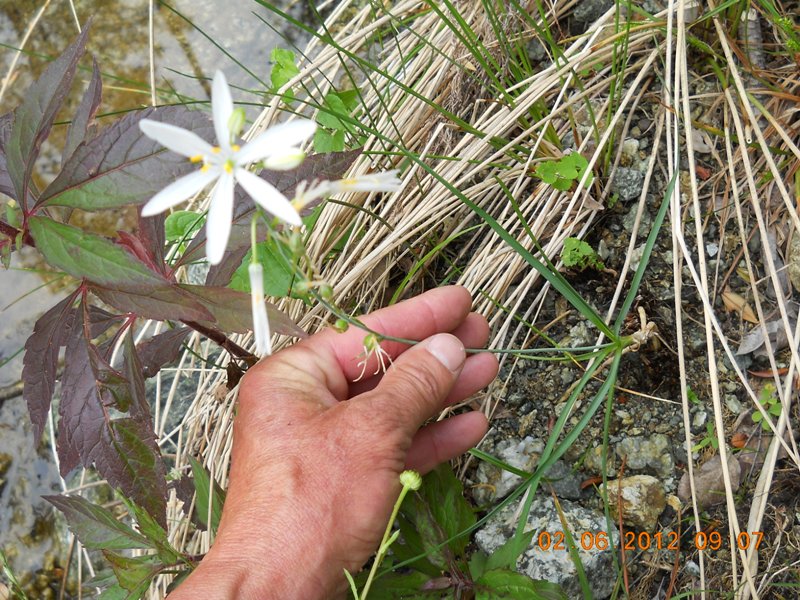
269 198
220 214
387 181
178 191
261 331
276 139
175 138
221 109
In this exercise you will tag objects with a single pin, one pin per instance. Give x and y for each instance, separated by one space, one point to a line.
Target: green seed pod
326 291
341 325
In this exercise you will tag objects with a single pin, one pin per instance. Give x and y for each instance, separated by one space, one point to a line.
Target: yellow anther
216 149
196 158
204 168
228 166
235 147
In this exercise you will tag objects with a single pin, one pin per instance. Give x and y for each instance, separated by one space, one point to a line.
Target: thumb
415 387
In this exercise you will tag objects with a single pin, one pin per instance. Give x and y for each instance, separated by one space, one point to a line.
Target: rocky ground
646 451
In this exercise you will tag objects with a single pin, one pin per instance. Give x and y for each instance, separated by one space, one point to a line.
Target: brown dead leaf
735 302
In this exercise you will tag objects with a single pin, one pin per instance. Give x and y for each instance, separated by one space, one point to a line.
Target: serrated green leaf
580 255
114 592
410 546
134 573
547 171
86 255
477 564
96 527
500 584
206 499
181 224
407 586
154 532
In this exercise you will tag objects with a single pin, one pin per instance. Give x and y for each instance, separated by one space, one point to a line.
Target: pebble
642 499
650 453
493 483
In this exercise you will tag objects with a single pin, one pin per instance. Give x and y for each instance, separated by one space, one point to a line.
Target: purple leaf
34 117
124 449
161 349
166 303
220 274
40 362
332 165
123 166
82 124
232 311
151 232
85 400
6 185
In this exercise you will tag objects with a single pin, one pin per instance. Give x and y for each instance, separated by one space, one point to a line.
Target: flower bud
286 160
411 480
326 291
341 325
236 123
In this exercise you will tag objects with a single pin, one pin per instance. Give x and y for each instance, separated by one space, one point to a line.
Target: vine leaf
40 363
82 124
96 527
166 303
123 166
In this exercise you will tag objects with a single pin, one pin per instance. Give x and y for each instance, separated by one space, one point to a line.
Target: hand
316 457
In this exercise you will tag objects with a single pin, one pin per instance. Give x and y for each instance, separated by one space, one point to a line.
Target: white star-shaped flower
227 163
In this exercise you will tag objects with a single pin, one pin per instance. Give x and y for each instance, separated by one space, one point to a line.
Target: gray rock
493 483
630 218
593 462
563 481
641 498
589 11
544 560
652 454
627 183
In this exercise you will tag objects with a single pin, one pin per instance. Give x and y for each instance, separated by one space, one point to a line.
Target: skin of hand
316 457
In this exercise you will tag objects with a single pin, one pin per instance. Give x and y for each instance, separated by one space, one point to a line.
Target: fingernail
447 349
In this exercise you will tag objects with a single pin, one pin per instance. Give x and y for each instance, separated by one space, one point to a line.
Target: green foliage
710 438
279 273
180 225
562 173
579 255
283 70
209 498
434 525
768 399
334 120
98 529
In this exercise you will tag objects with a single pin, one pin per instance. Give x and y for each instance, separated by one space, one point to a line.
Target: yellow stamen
216 149
228 166
235 147
196 158
204 168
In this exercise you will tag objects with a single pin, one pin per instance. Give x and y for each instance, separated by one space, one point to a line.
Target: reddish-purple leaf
6 185
332 165
136 246
123 166
85 400
166 303
34 117
161 349
82 125
220 274
151 232
40 362
233 313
